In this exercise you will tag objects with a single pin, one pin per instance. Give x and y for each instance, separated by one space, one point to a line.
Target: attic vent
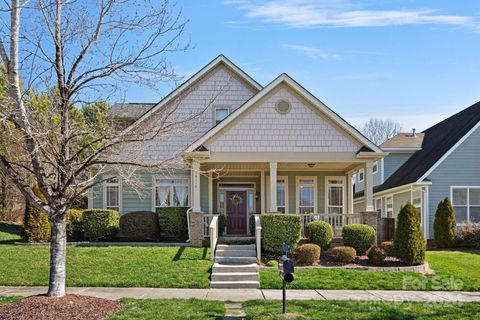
283 106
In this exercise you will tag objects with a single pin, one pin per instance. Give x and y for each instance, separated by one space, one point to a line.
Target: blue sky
413 61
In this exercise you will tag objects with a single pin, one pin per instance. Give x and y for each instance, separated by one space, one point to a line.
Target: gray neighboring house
423 168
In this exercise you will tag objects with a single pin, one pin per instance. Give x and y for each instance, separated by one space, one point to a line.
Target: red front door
236 212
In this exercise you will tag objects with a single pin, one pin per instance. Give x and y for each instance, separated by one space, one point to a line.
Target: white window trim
249 191
420 205
362 171
468 200
343 185
315 192
375 200
120 193
286 191
375 163
215 108
154 191
386 207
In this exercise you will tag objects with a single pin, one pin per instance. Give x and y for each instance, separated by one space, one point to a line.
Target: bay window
172 192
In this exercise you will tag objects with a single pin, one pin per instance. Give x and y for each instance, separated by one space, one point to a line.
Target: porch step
235 267
235 284
235 276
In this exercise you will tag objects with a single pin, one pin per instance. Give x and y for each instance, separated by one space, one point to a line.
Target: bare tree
77 51
380 130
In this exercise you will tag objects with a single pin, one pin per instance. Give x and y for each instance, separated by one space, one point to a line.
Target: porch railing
258 236
213 230
207 218
336 220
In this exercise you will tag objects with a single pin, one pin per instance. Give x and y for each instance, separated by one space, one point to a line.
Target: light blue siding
460 168
377 178
394 161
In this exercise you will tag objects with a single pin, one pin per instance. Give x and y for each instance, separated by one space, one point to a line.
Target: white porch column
262 191
349 192
368 188
273 187
210 192
195 186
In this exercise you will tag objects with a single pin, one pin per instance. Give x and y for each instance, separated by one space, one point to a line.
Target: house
424 168
251 149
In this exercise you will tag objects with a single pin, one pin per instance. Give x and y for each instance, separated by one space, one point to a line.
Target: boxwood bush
308 254
100 224
173 223
376 256
278 229
320 233
344 254
359 236
140 226
75 225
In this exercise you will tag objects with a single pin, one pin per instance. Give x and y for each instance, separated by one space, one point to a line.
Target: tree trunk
58 257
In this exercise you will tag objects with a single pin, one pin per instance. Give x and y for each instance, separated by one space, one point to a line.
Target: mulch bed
72 307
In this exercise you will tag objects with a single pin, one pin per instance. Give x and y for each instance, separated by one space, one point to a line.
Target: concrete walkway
254 294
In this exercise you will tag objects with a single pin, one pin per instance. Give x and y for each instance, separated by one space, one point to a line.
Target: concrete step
226 268
235 284
235 253
235 276
235 260
236 247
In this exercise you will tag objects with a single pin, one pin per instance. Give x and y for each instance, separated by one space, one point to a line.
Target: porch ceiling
255 166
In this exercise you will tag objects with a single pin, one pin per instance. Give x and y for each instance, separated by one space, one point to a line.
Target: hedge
140 226
278 229
376 256
409 244
320 233
36 227
358 236
308 254
100 224
173 223
445 225
75 225
343 254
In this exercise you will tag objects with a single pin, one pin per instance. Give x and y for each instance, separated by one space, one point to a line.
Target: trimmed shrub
173 223
100 224
36 227
358 236
140 226
251 224
469 235
308 254
272 263
278 229
376 256
409 245
320 233
445 226
75 225
387 247
344 254
222 223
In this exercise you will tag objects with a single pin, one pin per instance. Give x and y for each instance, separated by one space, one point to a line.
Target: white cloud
313 53
308 13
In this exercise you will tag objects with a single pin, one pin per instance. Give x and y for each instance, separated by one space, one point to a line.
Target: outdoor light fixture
311 165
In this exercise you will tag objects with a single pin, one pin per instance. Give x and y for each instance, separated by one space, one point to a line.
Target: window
112 194
361 175
335 197
220 113
466 204
378 206
172 192
375 167
389 209
306 194
282 193
417 202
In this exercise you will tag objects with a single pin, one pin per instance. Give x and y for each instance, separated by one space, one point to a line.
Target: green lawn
171 309
168 267
361 310
7 299
9 233
454 271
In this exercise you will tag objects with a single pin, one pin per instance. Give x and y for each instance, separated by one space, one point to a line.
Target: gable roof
438 142
219 60
128 111
286 79
404 140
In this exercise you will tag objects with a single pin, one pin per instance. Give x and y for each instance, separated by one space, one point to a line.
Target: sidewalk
254 294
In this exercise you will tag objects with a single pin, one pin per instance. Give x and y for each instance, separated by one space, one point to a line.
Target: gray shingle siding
394 161
460 168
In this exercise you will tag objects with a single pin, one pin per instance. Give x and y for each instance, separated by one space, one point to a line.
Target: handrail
188 222
258 236
213 230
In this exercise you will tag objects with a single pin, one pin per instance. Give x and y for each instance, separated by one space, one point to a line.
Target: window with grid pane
335 195
172 192
306 190
112 194
466 204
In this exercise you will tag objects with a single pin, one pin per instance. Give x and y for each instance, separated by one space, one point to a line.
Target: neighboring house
255 149
423 168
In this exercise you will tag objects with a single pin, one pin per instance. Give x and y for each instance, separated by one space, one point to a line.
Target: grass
171 309
454 270
9 233
167 267
8 299
361 310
